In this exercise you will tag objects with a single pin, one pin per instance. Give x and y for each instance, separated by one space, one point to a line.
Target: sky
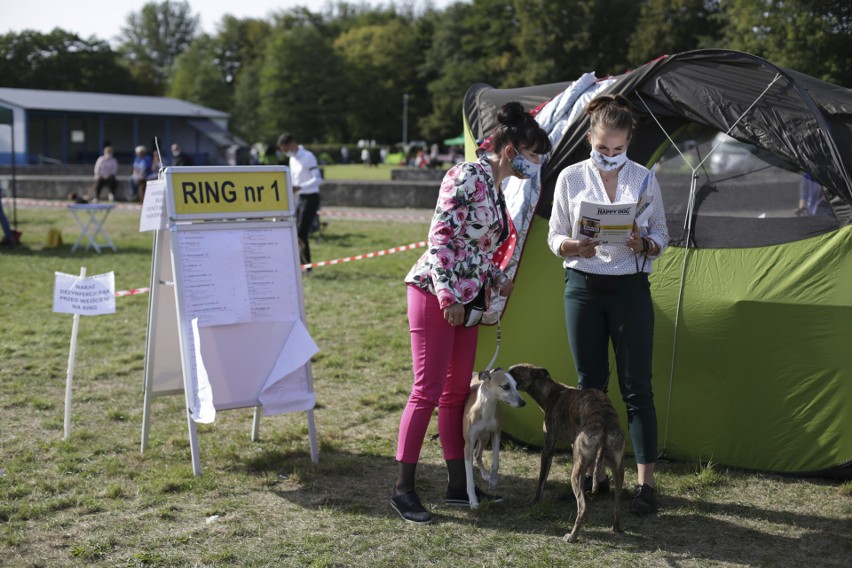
105 18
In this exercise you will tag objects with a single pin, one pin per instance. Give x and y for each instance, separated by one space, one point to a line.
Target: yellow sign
229 192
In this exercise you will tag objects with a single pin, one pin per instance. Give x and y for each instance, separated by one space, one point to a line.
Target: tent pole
688 226
689 207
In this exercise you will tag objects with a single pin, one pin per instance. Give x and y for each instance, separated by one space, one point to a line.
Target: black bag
474 309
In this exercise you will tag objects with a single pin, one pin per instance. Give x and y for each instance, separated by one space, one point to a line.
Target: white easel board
226 319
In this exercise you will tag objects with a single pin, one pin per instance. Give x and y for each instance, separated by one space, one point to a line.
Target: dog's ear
544 373
484 375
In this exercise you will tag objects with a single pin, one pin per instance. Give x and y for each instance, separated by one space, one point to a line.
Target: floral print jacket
463 237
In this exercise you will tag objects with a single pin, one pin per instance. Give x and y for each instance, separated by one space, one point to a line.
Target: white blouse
582 182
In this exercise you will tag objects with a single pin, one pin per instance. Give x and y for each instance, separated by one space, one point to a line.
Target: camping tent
753 298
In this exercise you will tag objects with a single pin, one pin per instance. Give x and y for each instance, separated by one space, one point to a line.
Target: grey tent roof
33 99
803 120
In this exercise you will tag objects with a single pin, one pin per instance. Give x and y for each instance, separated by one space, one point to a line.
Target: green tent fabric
762 377
457 141
757 372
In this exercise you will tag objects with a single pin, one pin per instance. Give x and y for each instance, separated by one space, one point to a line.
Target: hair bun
512 114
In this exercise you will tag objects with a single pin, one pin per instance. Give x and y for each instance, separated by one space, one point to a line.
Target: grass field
96 501
380 172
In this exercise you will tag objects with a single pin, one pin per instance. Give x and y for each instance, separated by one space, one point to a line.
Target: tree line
340 75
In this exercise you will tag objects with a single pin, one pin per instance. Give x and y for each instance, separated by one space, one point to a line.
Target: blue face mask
608 163
524 168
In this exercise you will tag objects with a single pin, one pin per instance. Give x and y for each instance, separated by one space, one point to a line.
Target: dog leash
497 349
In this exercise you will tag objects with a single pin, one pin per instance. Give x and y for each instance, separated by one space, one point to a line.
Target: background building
72 128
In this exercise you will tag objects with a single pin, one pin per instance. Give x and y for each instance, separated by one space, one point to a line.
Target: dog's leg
495 458
546 461
480 448
468 470
578 473
618 478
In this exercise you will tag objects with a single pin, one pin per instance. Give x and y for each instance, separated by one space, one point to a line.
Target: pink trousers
443 358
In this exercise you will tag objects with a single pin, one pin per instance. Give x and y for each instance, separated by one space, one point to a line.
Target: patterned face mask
523 168
608 163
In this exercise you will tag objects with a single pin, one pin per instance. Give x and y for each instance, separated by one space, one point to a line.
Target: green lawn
358 172
96 501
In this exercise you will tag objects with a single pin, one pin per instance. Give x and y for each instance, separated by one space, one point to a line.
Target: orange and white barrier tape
344 260
363 256
132 292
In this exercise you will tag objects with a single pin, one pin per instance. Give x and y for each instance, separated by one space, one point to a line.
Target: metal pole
405 120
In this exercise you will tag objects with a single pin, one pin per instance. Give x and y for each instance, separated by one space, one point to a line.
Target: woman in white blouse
607 294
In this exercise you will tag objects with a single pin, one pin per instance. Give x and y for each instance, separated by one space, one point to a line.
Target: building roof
70 101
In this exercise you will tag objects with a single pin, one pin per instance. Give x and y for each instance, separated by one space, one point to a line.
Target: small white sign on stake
79 295
92 296
153 207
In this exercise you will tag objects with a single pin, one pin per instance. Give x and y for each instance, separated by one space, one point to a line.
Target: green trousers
616 310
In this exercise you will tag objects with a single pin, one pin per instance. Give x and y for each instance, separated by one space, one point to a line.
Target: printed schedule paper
238 276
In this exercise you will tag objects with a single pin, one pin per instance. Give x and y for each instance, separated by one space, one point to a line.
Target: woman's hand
634 241
454 314
587 247
507 287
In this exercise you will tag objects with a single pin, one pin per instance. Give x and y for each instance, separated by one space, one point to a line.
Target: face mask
524 168
290 154
607 163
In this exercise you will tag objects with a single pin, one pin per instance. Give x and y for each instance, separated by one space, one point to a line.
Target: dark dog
587 419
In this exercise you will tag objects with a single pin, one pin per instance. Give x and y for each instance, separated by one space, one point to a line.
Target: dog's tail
599 457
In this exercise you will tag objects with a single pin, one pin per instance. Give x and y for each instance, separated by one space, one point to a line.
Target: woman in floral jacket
469 224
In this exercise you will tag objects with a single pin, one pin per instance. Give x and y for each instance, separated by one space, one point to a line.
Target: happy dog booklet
612 223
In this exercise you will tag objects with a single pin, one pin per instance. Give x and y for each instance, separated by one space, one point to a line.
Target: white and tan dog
482 421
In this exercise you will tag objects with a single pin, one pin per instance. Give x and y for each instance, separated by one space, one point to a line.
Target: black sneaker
645 501
603 487
458 497
409 507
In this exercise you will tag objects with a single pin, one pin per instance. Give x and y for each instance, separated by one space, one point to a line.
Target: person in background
10 237
141 171
106 167
306 179
178 157
365 156
344 155
468 227
156 164
607 295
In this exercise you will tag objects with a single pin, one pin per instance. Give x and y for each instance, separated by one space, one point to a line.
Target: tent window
745 197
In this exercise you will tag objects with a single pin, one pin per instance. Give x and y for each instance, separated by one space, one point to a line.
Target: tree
673 26
380 65
238 43
61 60
300 87
458 58
559 40
197 77
813 37
153 39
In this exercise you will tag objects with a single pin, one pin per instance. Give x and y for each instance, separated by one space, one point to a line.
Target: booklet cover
612 223
606 222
